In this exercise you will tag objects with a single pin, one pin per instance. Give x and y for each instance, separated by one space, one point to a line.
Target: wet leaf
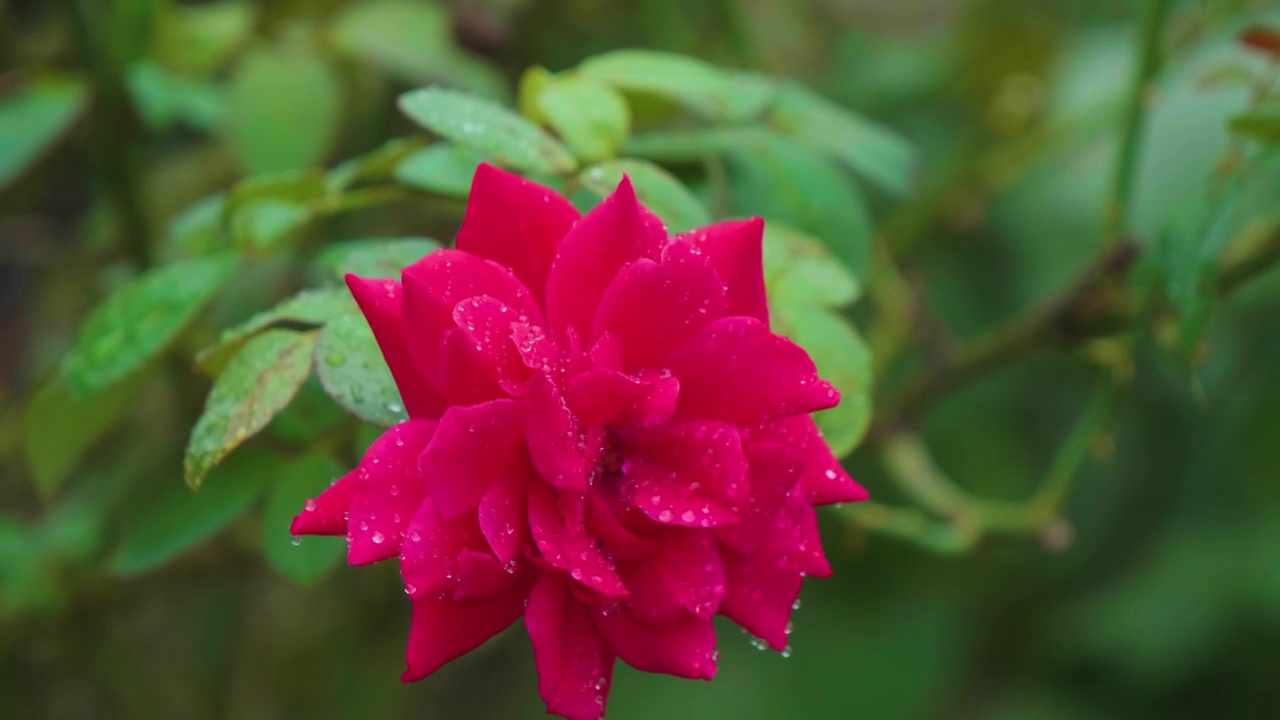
258 383
656 188
444 168
312 307
33 118
351 369
140 320
487 128
302 560
592 118
172 520
374 257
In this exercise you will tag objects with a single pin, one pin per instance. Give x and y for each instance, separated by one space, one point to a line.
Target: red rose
606 438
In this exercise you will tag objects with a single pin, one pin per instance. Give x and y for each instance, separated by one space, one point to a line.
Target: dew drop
295 540
378 538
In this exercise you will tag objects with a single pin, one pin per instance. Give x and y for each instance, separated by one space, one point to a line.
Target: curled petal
380 301
564 543
615 233
389 491
503 517
516 223
737 371
488 324
823 479
552 435
473 448
429 556
686 649
603 523
684 575
481 575
655 307
736 250
446 629
435 285
327 514
598 395
693 475
462 376
575 665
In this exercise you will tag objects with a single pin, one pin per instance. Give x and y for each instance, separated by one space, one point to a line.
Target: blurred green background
1157 597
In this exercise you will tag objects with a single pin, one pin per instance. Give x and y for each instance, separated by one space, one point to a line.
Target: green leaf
140 320
304 560
1263 127
266 210
374 257
656 188
312 307
258 383
806 286
172 520
351 369
691 145
703 88
876 153
591 117
199 39
197 230
33 118
443 168
59 428
782 180
311 415
487 128
283 111
373 167
412 41
164 100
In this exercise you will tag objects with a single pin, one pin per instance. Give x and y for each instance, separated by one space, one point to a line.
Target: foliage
1044 298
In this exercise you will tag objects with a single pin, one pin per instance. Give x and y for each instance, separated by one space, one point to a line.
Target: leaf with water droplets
487 128
311 559
658 189
140 320
351 369
591 117
374 257
164 523
444 168
312 307
806 287
258 383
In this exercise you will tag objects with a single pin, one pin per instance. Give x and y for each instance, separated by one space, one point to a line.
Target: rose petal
654 308
516 223
473 448
618 540
823 479
481 575
617 232
564 543
692 475
435 285
488 323
503 517
597 395
462 375
737 371
327 514
552 435
575 666
759 597
685 574
736 251
431 550
667 498
686 649
380 301
389 491
446 629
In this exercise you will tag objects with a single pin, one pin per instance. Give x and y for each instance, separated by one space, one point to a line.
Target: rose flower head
605 438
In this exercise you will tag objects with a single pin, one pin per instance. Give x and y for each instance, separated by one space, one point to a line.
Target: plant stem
1150 33
114 127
